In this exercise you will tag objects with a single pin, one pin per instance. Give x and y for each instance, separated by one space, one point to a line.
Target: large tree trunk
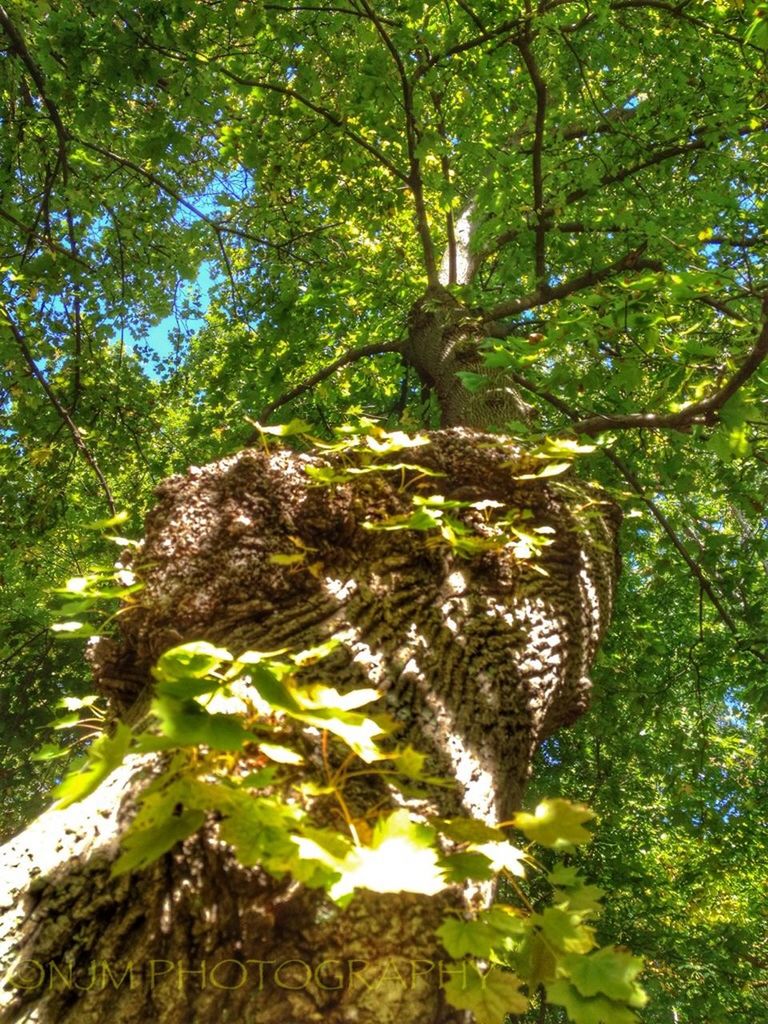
479 657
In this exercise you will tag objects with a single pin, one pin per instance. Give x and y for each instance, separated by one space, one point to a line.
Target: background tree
564 204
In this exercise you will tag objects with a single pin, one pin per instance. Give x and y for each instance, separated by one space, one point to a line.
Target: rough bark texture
444 342
480 658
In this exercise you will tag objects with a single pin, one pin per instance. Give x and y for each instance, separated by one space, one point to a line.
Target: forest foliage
276 184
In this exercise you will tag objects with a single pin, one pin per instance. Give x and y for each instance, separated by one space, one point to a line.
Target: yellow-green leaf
490 996
104 755
584 1010
556 823
610 972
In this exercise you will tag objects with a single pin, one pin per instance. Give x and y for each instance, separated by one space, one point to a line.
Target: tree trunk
444 343
479 657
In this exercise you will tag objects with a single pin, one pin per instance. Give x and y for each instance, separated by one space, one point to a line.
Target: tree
547 223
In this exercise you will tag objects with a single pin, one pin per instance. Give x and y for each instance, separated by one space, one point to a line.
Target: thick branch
702 411
545 294
53 398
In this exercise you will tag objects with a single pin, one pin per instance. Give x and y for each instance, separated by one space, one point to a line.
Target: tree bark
479 658
444 343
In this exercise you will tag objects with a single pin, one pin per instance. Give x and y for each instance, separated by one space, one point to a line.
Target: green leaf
104 755
458 867
549 469
490 996
608 971
565 876
469 830
49 752
260 778
565 930
357 731
503 857
472 381
104 524
260 830
140 848
290 429
409 762
537 961
74 630
556 823
401 857
190 661
583 1010
269 685
280 754
184 723
467 938
581 898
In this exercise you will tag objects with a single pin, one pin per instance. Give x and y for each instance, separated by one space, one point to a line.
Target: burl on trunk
480 656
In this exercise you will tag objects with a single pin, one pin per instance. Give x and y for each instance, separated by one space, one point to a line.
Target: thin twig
681 549
47 242
653 159
335 119
53 398
415 180
329 9
217 226
540 228
19 47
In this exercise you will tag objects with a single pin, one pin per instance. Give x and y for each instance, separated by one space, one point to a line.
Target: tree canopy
285 188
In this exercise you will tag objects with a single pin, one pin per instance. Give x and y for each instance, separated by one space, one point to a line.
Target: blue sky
158 337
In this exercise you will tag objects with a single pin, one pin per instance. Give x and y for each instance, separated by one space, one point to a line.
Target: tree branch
350 356
503 28
613 178
335 119
637 487
545 294
328 9
449 268
540 89
471 14
53 398
415 180
217 226
31 233
19 47
506 27
703 411
678 545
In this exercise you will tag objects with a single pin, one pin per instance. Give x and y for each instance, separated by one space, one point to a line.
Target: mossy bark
478 657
